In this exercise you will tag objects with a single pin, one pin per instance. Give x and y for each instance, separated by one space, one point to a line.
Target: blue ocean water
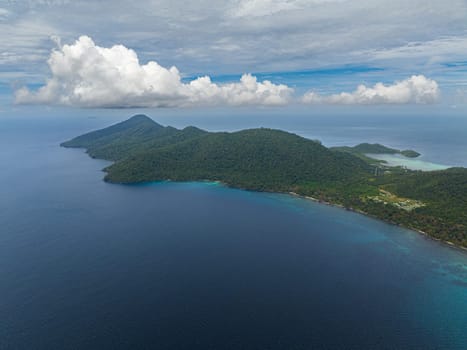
89 265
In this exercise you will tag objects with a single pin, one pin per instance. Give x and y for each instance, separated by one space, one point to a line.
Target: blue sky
114 54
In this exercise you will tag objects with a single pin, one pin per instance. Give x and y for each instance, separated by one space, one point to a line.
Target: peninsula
434 203
376 148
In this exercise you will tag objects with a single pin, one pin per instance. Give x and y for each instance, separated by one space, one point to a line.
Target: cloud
48 2
262 35
224 37
416 89
440 50
259 8
4 13
87 75
84 74
460 97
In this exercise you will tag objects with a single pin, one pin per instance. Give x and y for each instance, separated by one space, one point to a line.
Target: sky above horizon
82 55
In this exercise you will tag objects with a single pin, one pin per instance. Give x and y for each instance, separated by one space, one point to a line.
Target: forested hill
376 148
262 159
273 160
255 159
137 134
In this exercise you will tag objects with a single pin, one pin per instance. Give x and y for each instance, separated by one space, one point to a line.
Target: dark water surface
90 265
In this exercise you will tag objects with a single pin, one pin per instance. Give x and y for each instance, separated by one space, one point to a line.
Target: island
433 203
376 148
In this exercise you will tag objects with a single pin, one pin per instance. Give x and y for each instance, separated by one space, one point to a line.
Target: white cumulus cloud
87 75
416 89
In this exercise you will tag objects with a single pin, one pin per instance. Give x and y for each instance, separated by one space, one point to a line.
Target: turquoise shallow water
409 163
89 265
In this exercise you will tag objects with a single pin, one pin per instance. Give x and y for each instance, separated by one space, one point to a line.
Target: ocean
89 265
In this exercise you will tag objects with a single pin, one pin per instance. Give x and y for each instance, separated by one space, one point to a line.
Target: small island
433 203
409 153
376 148
365 150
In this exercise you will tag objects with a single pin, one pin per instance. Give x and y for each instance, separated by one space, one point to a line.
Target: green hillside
376 148
134 135
274 160
262 159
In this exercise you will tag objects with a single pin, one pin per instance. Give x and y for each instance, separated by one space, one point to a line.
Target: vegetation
136 134
410 153
273 160
376 148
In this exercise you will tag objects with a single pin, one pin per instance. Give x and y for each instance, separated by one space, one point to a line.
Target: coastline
318 201
361 212
291 193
